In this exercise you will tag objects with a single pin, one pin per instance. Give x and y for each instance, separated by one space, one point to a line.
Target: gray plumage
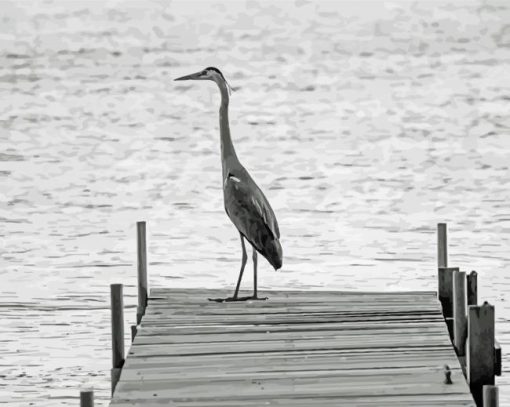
245 203
250 212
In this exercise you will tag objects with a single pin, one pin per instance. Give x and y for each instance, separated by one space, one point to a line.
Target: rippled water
365 124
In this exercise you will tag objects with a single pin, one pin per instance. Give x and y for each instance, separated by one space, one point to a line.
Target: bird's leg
254 257
243 264
255 263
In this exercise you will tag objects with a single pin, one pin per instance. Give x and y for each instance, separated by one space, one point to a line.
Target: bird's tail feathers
275 254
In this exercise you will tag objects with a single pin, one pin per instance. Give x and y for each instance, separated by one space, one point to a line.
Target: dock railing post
442 246
472 288
497 356
445 294
459 312
490 396
480 355
134 331
87 398
117 311
141 239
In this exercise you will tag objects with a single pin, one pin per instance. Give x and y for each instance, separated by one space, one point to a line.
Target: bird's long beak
193 76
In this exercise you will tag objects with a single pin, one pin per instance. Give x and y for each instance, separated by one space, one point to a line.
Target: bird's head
208 74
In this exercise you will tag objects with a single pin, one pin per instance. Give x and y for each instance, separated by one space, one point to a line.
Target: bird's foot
257 298
234 299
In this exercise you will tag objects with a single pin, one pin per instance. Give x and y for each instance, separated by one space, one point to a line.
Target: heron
244 202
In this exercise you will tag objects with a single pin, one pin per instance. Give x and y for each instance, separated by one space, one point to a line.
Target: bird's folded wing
249 210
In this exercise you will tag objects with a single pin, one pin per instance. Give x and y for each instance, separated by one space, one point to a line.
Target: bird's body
245 203
250 212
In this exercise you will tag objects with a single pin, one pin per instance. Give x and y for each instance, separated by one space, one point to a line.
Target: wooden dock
298 348
306 348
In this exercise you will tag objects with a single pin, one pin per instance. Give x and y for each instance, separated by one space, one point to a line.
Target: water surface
365 124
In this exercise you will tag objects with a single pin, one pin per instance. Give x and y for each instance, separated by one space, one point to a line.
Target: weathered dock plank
320 348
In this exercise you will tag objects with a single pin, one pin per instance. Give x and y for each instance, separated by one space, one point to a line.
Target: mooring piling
445 294
471 326
472 288
459 311
442 246
497 357
117 313
134 330
142 270
480 358
87 398
490 396
117 306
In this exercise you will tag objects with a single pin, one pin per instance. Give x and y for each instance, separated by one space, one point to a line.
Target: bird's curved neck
228 153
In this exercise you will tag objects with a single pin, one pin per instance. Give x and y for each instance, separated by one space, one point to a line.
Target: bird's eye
204 73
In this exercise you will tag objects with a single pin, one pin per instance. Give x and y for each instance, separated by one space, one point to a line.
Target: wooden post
490 396
497 358
87 398
142 270
442 246
445 289
445 294
117 310
472 288
480 351
459 312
